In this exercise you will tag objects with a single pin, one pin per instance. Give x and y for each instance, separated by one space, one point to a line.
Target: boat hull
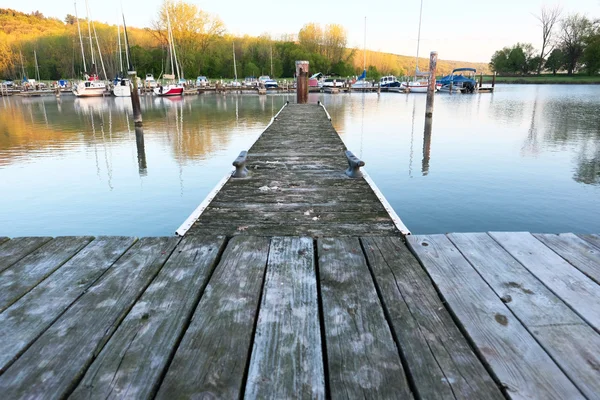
122 91
168 91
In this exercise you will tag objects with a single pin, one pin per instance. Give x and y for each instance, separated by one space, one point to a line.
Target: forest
570 43
202 43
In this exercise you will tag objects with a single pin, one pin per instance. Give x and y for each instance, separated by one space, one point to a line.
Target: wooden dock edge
193 217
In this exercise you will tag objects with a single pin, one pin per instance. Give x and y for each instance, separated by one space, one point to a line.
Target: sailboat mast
37 68
22 66
365 46
87 16
271 61
234 67
80 39
99 52
418 40
120 49
170 39
129 64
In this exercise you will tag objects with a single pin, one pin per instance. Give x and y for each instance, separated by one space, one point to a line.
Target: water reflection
524 158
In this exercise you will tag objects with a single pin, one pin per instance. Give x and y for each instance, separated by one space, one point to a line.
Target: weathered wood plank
439 358
212 356
17 248
131 364
55 362
232 228
305 216
31 315
37 266
521 365
571 342
566 281
316 208
286 360
580 253
363 360
593 239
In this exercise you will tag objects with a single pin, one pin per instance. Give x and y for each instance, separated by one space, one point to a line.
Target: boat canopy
455 79
317 75
464 69
362 76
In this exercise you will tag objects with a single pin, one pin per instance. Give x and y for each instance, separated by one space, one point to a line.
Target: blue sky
468 31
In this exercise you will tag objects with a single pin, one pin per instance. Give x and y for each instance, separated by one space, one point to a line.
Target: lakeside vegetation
570 44
545 79
203 47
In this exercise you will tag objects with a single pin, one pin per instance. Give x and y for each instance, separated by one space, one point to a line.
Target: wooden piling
480 79
302 82
135 99
494 80
431 88
141 150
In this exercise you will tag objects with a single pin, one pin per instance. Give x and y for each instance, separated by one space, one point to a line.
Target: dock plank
17 248
522 366
593 239
569 340
55 362
567 282
212 356
580 253
37 266
33 313
363 360
287 361
131 364
440 360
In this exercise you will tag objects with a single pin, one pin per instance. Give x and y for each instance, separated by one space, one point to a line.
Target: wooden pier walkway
305 289
297 185
489 316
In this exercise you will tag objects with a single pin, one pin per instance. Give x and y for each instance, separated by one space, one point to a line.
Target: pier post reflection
141 151
426 146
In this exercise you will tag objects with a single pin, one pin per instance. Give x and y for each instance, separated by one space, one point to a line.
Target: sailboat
122 85
361 81
172 89
92 86
421 79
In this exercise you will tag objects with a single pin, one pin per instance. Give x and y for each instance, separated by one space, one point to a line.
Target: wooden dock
297 185
489 316
260 300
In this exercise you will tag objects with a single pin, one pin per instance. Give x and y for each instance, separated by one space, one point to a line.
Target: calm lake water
523 158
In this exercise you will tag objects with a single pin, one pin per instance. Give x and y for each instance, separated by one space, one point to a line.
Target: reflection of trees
193 127
576 122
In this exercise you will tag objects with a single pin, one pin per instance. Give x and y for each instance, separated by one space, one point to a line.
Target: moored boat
459 82
389 82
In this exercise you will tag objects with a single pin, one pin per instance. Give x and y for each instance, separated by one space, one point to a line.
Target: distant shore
545 79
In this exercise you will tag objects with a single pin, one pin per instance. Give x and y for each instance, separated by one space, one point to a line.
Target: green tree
591 54
555 61
573 31
499 61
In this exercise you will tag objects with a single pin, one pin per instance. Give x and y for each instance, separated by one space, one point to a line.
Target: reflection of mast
412 135
141 151
426 146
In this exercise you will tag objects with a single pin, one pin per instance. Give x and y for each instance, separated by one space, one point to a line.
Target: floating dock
259 299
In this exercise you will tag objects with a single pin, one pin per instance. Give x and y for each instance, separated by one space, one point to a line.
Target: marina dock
294 278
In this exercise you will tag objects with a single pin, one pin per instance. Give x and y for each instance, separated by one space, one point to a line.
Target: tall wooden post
494 80
426 146
431 87
480 79
301 82
141 150
135 99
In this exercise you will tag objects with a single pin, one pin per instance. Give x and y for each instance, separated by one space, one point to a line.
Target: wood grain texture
573 344
56 361
37 266
363 360
286 360
593 239
131 365
439 358
522 366
17 248
580 253
213 354
31 315
299 159
567 282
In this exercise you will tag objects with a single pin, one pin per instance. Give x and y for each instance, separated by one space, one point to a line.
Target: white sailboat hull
89 89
